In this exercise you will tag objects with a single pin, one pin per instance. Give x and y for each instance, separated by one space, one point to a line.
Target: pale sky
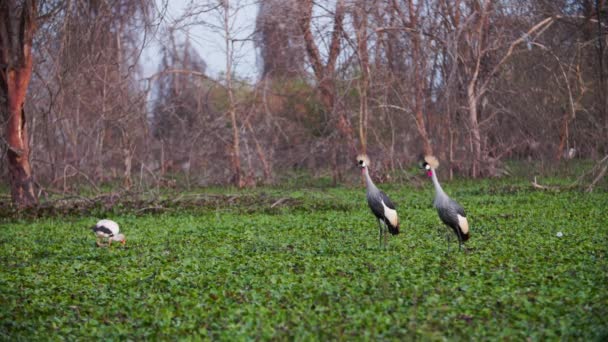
209 44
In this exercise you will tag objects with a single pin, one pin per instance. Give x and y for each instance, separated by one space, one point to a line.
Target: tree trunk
360 21
603 86
419 80
419 62
474 130
19 169
236 151
476 88
324 72
16 70
563 136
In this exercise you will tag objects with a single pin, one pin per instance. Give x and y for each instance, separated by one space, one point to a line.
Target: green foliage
310 269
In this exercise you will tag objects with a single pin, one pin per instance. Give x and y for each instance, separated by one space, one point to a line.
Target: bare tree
220 18
178 108
229 41
17 28
360 21
414 28
323 71
89 108
479 53
279 41
470 81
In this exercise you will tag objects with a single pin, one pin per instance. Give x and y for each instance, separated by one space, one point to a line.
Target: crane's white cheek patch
391 215
463 223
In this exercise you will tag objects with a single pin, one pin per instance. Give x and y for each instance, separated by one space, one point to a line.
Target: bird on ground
380 204
107 229
450 212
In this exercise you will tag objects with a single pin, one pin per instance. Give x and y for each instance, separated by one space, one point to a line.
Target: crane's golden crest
363 160
432 161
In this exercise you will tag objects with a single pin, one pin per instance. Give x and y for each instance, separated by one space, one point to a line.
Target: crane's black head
429 164
362 161
427 167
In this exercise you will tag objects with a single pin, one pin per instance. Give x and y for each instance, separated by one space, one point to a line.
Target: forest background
476 82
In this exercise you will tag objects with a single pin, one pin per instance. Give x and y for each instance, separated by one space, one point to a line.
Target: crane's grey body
382 207
375 200
450 212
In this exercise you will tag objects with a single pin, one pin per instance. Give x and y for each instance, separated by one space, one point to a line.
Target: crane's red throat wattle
429 173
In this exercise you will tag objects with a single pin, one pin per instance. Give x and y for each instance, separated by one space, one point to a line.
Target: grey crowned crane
107 229
382 206
450 212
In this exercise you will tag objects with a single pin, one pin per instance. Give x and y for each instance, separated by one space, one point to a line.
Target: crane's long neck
371 187
438 190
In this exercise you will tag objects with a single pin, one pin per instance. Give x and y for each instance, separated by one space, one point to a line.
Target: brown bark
360 20
419 80
16 36
563 136
232 113
419 62
324 72
474 127
600 14
475 91
260 152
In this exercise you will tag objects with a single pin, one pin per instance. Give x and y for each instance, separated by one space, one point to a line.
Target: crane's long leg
385 235
459 239
99 241
447 238
380 233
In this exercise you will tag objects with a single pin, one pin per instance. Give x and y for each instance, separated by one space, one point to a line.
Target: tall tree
280 42
17 28
232 113
325 71
88 113
177 105
360 22
479 51
412 24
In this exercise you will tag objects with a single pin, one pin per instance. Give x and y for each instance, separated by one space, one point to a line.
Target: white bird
450 212
107 229
380 204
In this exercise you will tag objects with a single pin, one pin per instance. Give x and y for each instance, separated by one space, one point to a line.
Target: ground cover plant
304 264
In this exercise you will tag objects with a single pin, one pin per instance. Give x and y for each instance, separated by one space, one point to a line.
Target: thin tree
360 21
228 42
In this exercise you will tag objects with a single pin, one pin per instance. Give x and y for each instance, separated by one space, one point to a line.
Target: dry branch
279 201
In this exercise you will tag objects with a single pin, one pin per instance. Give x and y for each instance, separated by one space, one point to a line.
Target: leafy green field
309 268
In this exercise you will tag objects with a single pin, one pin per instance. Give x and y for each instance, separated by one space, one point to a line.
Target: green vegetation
310 268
